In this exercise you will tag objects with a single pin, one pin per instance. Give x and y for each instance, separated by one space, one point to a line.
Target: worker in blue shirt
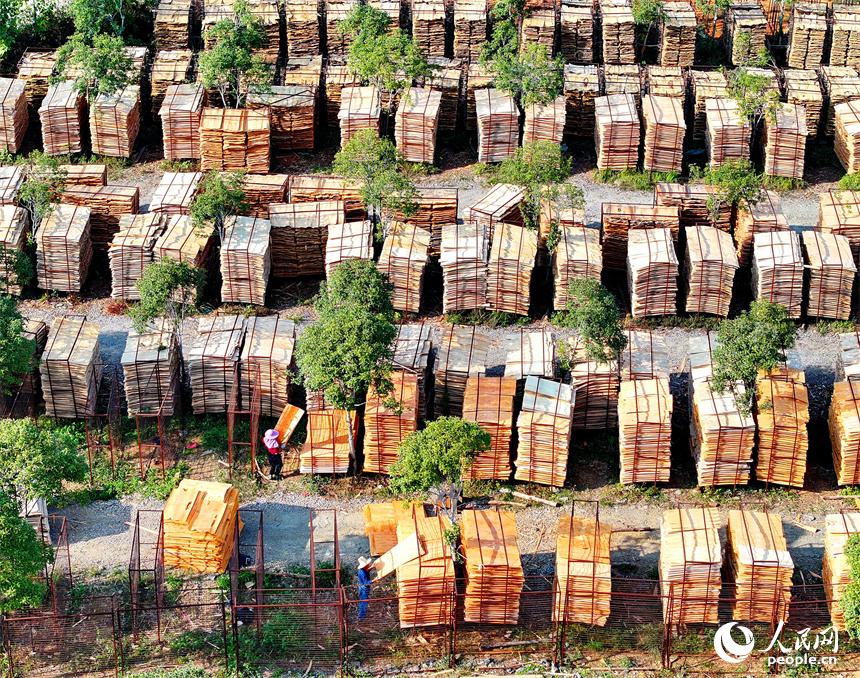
364 581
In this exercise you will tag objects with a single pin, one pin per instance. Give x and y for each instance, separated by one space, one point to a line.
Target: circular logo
727 649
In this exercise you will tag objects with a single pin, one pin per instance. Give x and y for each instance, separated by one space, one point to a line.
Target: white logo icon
727 649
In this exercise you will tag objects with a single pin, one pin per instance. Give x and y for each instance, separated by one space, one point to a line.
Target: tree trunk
349 433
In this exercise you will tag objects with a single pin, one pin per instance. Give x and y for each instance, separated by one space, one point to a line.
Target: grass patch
124 479
783 184
632 494
633 179
826 327
484 317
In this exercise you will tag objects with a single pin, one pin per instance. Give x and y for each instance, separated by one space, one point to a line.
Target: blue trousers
364 594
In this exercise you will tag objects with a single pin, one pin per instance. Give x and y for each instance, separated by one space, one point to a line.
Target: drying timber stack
64 249
581 89
13 114
784 141
173 24
848 363
262 190
212 361
175 192
623 79
836 569
234 139
489 402
130 252
337 76
619 29
435 208
777 269
403 259
652 272
645 431
701 362
462 354
763 217
71 368
107 204
728 132
150 366
808 32
664 133
538 28
620 219
302 70
831 271
577 255
545 122
11 179
707 85
359 109
292 112
302 28
380 523
804 89
845 36
501 205
576 21
326 448
666 81
351 240
299 235
416 124
246 260
61 115
180 121
839 212
498 125
336 11
847 142
841 84
428 26
84 175
596 384
583 572
646 356
616 132
529 353
677 34
266 12
183 241
709 271
509 274
35 69
464 253
385 429
782 436
411 354
844 421
14 233
446 80
315 188
544 425
171 67
470 29
267 355
744 18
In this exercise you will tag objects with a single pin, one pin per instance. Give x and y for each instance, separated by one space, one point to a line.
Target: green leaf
356 282
593 312
23 558
16 351
167 289
97 66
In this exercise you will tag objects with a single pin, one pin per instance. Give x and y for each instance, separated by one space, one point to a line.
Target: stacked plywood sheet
64 248
246 260
234 139
489 401
616 20
498 125
847 142
501 205
462 354
509 273
200 520
763 217
620 219
411 353
13 114
583 572
836 569
35 69
337 76
385 429
783 413
581 89
150 365
359 109
173 24
327 449
171 67
596 385
494 573
403 258
175 192
576 22
808 32
213 360
777 269
352 240
645 431
261 190
840 213
299 235
337 43
11 178
664 133
292 110
803 88
446 80
544 426
545 122
841 84
538 28
71 368
709 270
428 26
107 203
616 132
470 29
666 81
623 79
728 132
577 255
435 207
707 85
464 252
14 232
61 114
316 188
416 124
380 523
646 356
845 36
677 34
831 270
267 356
690 559
529 353
180 121
784 141
302 28
844 423
652 272
744 18
183 241
759 566
130 251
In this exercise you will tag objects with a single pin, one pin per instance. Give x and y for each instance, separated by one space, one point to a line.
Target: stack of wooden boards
784 141
411 353
652 272
35 70
464 250
380 523
583 572
61 115
677 34
416 124
200 520
107 204
13 114
808 33
292 109
299 234
175 192
618 31
446 81
545 122
326 449
315 188
434 208
577 255
596 385
839 213
462 354
845 35
836 569
11 180
694 202
85 175
544 426
71 368
831 272
150 365
385 429
847 141
233 139
337 77
246 260
743 19
14 232
763 217
844 424
267 358
783 414
352 240
498 125
64 248
212 362
803 88
581 89
360 108
428 26
183 241
470 29
707 85
841 84
664 133
646 356
529 353
616 132
261 190
115 122
171 67
131 251
728 132
709 270
489 401
509 274
302 28
777 269
502 204
180 115
576 23
173 23
403 259
645 431
666 81
623 79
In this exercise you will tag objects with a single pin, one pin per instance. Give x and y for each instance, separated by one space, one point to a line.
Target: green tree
44 182
647 14
16 351
756 340
710 11
754 94
100 66
435 458
231 65
737 184
593 312
23 559
92 17
221 195
850 600
10 18
375 164
356 282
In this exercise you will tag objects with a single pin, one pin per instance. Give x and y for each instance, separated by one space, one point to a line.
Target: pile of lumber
666 81
707 85
839 212
477 77
267 356
544 425
446 80
844 421
545 122
841 84
501 205
529 353
577 255
803 88
462 354
463 256
728 132
11 178
380 523
616 132
384 429
847 141
620 219
498 125
783 413
131 250
326 448
71 368
171 67
403 258
411 353
808 32
107 204
744 18
200 520
337 76
845 35
299 236
336 11
265 12
434 208
646 356
64 248
709 271
583 572
175 192
85 175
848 363
489 401
292 110
777 269
763 217
831 270
619 31
836 569
623 79
538 28
61 115
428 26
302 28
233 139
212 361
664 133
596 384
14 233
183 241
652 272
784 141
576 25
690 560
173 24
509 273
13 114
262 190
416 124
150 365
701 362
645 431
315 188
303 70
359 109
246 260
677 34
180 121
352 240
35 69
759 565
494 573
581 89
470 29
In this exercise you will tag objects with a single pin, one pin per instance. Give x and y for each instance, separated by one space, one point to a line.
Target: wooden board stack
616 132
13 114
470 29
266 12
848 363
707 85
677 34
35 69
335 12
71 368
180 121
150 366
544 425
494 573
577 255
130 251
477 77
841 84
403 258
446 80
384 430
784 141
463 256
200 520
412 354
728 132
620 219
14 232
652 272
489 401
299 235
646 356
173 24
380 523
777 269
11 178
337 76
763 217
498 125
509 273
326 448
645 431
246 260
616 20
64 249
315 188
501 205
107 204
352 240
462 354
175 192
171 67
803 88
435 207
182 241
529 353
61 114
831 270
428 26
234 139
759 565
782 436
545 122
844 421
596 384
666 81
690 561
741 18
836 569
261 190
623 79
268 354
581 89
85 175
808 32
416 123
292 110
839 212
845 35
576 21
213 360
538 28
303 70
701 362
302 28
664 133
359 109
847 141
583 572
709 271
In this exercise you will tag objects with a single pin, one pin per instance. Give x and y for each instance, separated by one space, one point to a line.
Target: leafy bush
593 313
634 179
850 182
850 603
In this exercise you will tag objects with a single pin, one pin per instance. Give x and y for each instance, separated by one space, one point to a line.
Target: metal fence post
224 635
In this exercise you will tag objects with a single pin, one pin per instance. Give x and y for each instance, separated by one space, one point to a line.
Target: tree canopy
23 558
44 182
97 66
356 282
754 94
221 195
92 17
593 312
850 600
737 184
16 351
